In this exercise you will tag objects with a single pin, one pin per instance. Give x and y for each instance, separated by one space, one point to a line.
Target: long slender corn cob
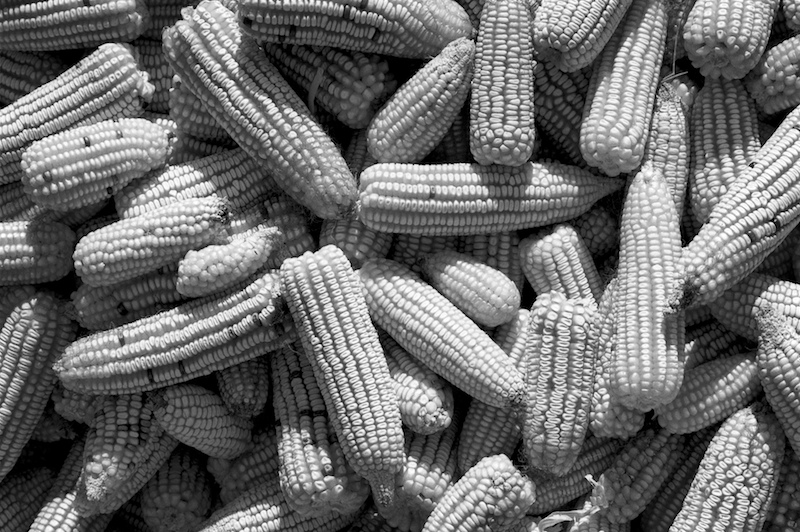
771 82
622 90
405 28
35 251
418 115
725 39
152 59
22 72
106 84
22 494
315 475
357 241
497 250
293 221
454 146
191 115
259 109
784 511
707 341
433 330
326 302
737 476
501 121
245 387
468 198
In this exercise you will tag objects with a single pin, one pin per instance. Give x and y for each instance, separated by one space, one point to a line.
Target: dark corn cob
784 512
22 72
22 494
599 229
192 117
707 341
357 241
74 406
245 387
52 427
36 251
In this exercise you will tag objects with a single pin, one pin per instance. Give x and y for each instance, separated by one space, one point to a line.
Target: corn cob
571 35
559 377
418 115
473 9
52 427
779 262
258 108
106 84
425 399
314 473
153 61
622 90
587 519
737 476
599 230
250 468
499 251
188 148
791 10
493 493
22 493
371 520
489 430
326 302
707 341
435 332
468 198
648 364
783 513
129 518
711 392
357 241
178 497
726 40
502 132
245 387
191 115
408 28
35 251
74 406
293 221
194 339
356 152
22 72
454 146
771 82
407 248
16 206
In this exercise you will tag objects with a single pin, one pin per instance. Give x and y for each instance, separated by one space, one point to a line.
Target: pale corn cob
559 377
493 493
418 115
599 230
191 115
622 90
105 307
407 248
434 331
328 306
245 387
356 152
791 10
293 221
350 85
425 399
357 241
74 406
556 259
89 164
198 417
468 198
648 364
484 294
571 35
454 146
178 497
771 82
258 108
16 206
726 39
194 339
315 476
406 28
125 446
188 148
22 72
250 468
106 84
153 61
784 511
711 392
488 430
501 121
35 251
497 250
22 494
707 341
141 244
737 476
724 141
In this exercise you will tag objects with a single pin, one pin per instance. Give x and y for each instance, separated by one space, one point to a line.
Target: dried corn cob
191 115
52 427
784 511
326 302
35 251
250 468
74 406
587 519
22 494
370 520
622 90
245 387
434 331
502 132
418 115
408 28
293 221
258 108
468 198
89 164
771 82
357 241
356 152
707 341
407 248
727 40
22 72
454 146
599 230
315 476
106 84
152 59
129 517
497 250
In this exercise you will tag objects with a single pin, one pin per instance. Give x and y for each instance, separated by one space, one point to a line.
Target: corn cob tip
383 491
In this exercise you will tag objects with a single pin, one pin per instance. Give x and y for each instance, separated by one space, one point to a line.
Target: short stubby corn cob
498 250
468 198
23 493
501 121
622 90
108 83
69 24
88 164
326 301
35 251
738 475
245 387
493 493
434 331
771 82
418 115
22 72
246 94
135 246
404 28
358 242
260 462
194 339
726 39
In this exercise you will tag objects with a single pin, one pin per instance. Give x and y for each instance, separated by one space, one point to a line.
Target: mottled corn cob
357 241
22 72
772 81
35 251
22 494
245 387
